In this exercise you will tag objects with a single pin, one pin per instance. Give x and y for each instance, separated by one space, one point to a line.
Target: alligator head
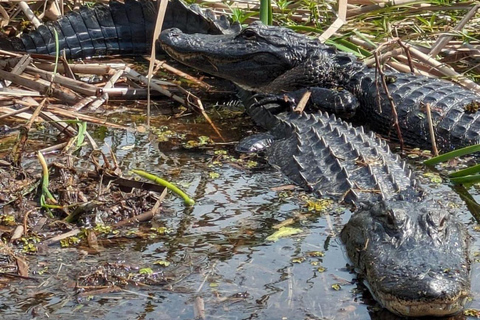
258 57
413 256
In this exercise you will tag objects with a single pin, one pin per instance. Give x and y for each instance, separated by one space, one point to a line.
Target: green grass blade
266 12
465 172
472 205
474 178
188 201
57 50
453 154
82 129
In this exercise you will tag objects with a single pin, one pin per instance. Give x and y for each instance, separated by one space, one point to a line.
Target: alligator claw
275 103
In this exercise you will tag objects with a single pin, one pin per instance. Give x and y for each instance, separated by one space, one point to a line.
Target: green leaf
453 154
145 271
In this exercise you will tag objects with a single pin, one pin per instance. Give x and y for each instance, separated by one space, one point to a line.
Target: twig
167 67
137 76
447 71
205 115
303 101
83 103
390 99
444 39
59 146
9 53
5 19
338 23
13 113
407 52
68 98
110 84
75 85
65 235
29 14
76 115
19 147
402 67
392 53
20 66
147 216
162 9
432 131
91 68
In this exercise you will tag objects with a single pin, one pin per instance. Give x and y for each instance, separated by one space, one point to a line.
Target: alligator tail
117 28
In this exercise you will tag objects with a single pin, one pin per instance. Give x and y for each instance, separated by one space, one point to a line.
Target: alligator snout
419 268
169 36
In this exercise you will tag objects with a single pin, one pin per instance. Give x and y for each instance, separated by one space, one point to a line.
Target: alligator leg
340 102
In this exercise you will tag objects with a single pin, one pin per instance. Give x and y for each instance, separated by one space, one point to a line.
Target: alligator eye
443 223
391 218
437 221
396 218
249 34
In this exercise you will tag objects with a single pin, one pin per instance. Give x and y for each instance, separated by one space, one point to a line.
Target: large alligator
116 28
276 60
412 251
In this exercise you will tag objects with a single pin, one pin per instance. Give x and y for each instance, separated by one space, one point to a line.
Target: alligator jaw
422 308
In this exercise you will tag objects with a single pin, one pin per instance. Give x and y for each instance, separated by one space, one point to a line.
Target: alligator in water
412 252
276 60
424 268
117 28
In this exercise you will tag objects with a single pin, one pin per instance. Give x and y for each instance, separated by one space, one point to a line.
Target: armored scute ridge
331 158
116 28
412 252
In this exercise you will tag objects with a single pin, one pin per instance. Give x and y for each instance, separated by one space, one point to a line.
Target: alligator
284 64
411 250
116 28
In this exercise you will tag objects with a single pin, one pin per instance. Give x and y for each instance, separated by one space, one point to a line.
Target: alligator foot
275 103
337 101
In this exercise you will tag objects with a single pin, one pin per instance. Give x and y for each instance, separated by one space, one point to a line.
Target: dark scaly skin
397 231
276 60
117 28
411 250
